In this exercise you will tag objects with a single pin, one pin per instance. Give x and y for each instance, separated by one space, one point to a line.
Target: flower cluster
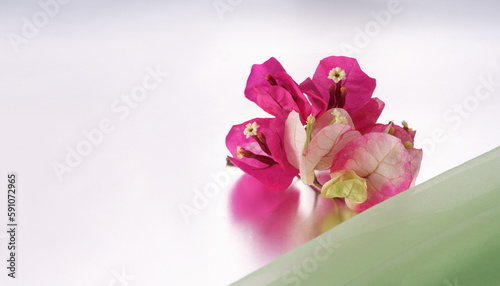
325 125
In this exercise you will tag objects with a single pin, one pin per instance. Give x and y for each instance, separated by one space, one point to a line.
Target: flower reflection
324 216
277 222
267 216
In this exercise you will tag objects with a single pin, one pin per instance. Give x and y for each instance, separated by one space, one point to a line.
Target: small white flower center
337 74
338 118
251 129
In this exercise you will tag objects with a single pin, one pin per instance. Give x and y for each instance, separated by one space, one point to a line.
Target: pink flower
257 149
371 169
325 123
271 88
339 82
406 135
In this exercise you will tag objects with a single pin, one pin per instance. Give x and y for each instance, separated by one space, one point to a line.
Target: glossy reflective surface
145 92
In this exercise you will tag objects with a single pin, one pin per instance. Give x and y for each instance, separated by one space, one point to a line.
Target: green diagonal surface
445 231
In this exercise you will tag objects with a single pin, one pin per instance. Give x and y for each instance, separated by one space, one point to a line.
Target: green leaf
442 232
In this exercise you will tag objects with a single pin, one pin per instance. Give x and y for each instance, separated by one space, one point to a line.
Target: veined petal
294 139
327 160
327 118
380 158
326 143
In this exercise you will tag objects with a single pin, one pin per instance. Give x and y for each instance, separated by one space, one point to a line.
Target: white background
118 210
